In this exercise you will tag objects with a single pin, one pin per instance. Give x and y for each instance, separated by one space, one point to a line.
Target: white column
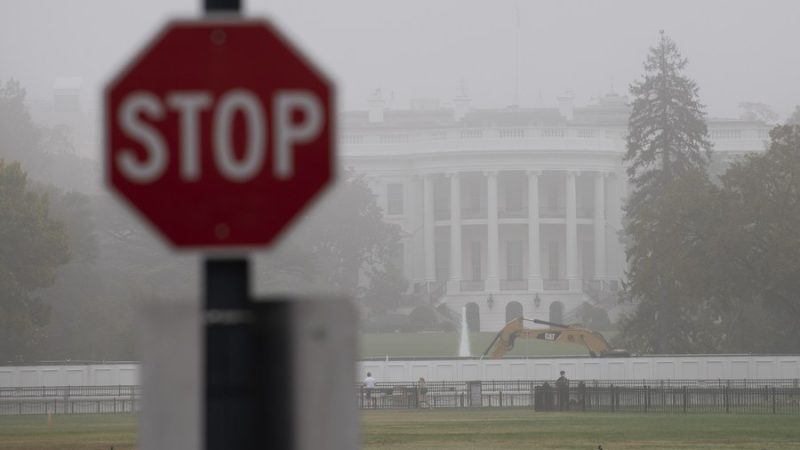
492 282
455 233
572 234
534 253
427 200
599 226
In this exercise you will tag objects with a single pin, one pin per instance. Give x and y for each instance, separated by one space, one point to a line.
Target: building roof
610 110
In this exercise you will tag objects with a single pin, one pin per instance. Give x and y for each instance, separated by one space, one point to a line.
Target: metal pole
232 6
248 364
229 415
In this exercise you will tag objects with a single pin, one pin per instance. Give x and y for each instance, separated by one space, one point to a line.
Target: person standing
369 386
422 392
562 387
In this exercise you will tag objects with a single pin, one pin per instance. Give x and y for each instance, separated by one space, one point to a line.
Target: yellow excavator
570 334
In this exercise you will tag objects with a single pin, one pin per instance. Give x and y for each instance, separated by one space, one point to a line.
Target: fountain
463 345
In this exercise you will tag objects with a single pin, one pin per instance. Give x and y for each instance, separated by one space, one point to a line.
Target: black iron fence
644 396
70 400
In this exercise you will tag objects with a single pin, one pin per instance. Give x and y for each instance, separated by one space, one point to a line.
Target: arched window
557 312
473 317
513 310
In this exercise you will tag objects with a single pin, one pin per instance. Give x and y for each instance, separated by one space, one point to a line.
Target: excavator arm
570 334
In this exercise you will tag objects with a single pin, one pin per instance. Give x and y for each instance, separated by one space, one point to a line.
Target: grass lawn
461 429
68 432
465 429
434 344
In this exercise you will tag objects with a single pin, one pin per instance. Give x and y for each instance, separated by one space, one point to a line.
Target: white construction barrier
667 367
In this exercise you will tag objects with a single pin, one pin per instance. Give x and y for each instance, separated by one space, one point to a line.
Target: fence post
646 398
582 395
773 400
613 397
533 398
685 397
725 399
501 399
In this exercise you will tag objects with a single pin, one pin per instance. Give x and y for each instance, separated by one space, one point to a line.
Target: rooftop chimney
461 104
376 107
565 105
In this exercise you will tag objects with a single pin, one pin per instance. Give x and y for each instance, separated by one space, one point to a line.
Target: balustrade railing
514 285
555 285
473 285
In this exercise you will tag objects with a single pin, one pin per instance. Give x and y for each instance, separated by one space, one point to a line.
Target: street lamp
490 301
537 301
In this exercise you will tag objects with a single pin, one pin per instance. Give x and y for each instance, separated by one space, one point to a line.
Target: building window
473 317
552 260
513 197
557 312
398 257
514 260
475 257
552 197
474 197
441 199
442 257
394 199
513 310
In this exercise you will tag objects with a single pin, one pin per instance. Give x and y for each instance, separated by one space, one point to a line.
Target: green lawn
461 429
465 429
68 432
403 345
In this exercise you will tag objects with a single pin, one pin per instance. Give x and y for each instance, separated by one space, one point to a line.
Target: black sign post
248 366
248 384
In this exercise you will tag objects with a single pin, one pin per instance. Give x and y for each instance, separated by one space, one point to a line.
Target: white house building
512 211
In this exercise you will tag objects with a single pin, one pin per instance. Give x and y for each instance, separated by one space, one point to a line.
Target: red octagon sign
219 133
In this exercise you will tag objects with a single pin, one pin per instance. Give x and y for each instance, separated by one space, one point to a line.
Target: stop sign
219 133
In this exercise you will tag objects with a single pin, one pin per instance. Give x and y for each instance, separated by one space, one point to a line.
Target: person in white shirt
369 385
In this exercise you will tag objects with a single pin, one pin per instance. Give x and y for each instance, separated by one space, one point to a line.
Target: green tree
757 246
668 151
20 138
342 246
667 133
670 279
794 119
32 247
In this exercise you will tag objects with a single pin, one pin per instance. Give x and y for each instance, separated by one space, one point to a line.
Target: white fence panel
683 367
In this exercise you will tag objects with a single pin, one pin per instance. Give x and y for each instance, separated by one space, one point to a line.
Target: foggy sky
738 50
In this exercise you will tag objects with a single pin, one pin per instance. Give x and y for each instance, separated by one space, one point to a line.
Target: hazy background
738 50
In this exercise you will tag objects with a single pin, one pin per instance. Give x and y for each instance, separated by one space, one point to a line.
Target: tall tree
668 150
757 257
20 138
32 246
667 133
